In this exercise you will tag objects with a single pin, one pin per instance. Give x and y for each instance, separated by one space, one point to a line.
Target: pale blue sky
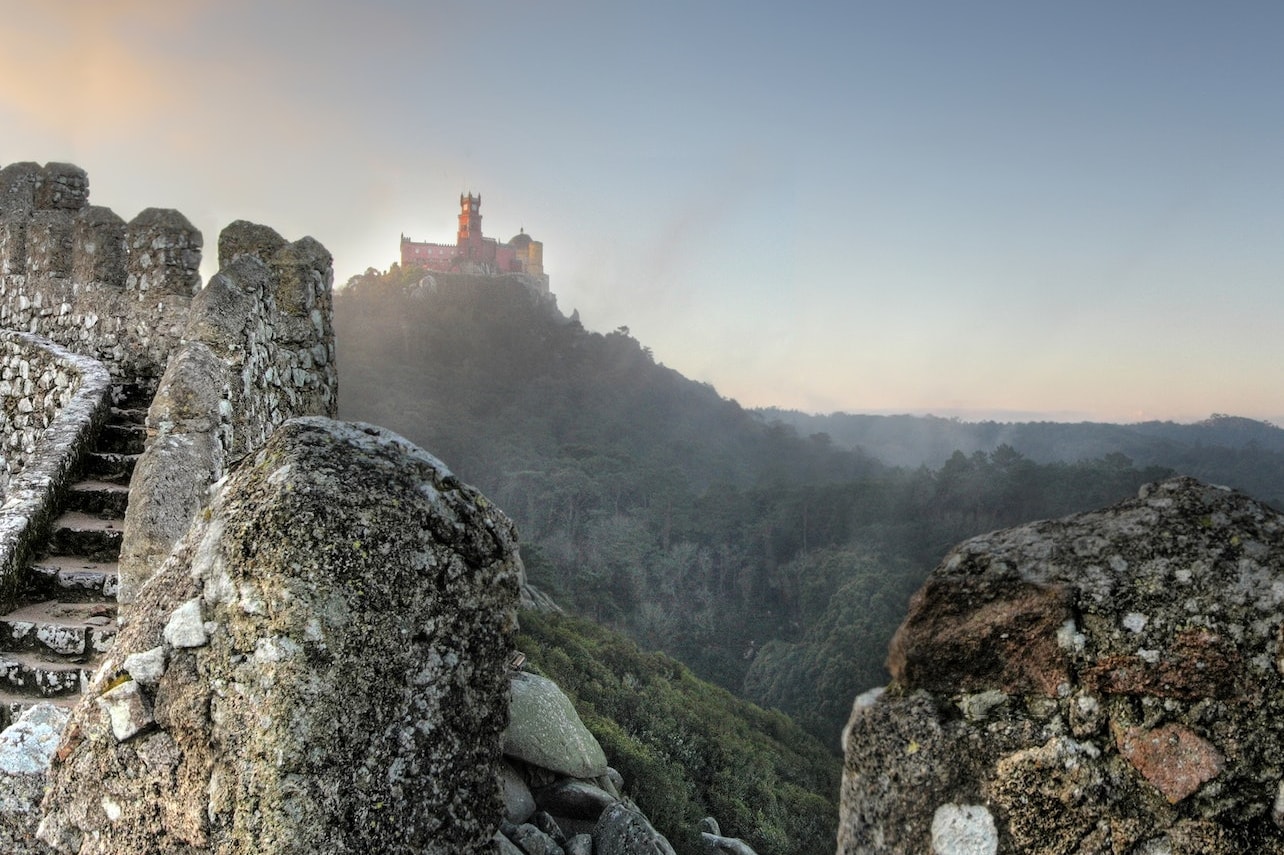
1073 209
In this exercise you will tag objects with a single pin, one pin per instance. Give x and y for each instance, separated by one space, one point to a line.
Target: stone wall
37 380
258 349
52 403
81 276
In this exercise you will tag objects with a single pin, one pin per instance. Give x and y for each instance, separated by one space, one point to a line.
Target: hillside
774 565
687 749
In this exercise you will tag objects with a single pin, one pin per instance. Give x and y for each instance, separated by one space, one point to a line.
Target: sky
1009 210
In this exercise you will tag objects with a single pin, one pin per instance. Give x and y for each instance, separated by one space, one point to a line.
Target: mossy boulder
335 630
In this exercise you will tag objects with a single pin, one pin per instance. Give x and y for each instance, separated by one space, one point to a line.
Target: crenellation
301 269
65 270
99 248
226 364
242 237
61 186
18 182
50 236
164 254
13 245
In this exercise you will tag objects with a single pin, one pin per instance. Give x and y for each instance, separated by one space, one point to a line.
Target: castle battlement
218 367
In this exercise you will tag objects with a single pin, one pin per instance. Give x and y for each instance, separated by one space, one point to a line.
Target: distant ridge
1244 453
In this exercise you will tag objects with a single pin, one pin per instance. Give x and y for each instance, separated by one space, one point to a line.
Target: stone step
13 704
131 396
72 577
110 466
123 438
34 675
52 628
96 539
98 498
124 415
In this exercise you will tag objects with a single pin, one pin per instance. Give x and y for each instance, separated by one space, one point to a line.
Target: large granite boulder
546 731
1106 683
321 666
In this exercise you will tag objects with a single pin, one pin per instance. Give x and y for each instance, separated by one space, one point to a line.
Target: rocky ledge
1106 683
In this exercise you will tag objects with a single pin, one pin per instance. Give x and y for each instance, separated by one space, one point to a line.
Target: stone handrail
52 404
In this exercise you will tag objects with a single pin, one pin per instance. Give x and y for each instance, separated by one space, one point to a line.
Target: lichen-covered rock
335 631
574 799
546 731
1107 683
26 748
519 803
623 830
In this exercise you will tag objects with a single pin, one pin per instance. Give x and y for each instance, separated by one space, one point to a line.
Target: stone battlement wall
225 364
82 277
258 350
52 403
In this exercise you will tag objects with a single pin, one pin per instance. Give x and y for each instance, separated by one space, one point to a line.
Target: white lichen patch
964 830
146 667
207 561
1070 638
278 648
281 475
185 627
1135 622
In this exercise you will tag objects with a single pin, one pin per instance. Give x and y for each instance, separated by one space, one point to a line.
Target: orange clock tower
469 237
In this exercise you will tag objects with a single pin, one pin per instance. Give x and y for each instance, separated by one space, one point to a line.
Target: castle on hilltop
473 253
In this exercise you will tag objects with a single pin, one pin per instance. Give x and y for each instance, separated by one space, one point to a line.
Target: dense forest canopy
773 563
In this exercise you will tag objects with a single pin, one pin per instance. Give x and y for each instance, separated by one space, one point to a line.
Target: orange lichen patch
1197 664
1175 759
961 636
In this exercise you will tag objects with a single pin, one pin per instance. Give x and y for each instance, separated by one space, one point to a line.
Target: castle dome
522 240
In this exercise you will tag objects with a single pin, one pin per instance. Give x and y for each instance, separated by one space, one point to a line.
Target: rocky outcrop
560 797
319 667
1107 683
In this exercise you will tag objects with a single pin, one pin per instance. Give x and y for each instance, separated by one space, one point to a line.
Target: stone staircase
66 616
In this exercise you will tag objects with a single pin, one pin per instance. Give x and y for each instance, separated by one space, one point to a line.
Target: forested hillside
775 565
686 749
